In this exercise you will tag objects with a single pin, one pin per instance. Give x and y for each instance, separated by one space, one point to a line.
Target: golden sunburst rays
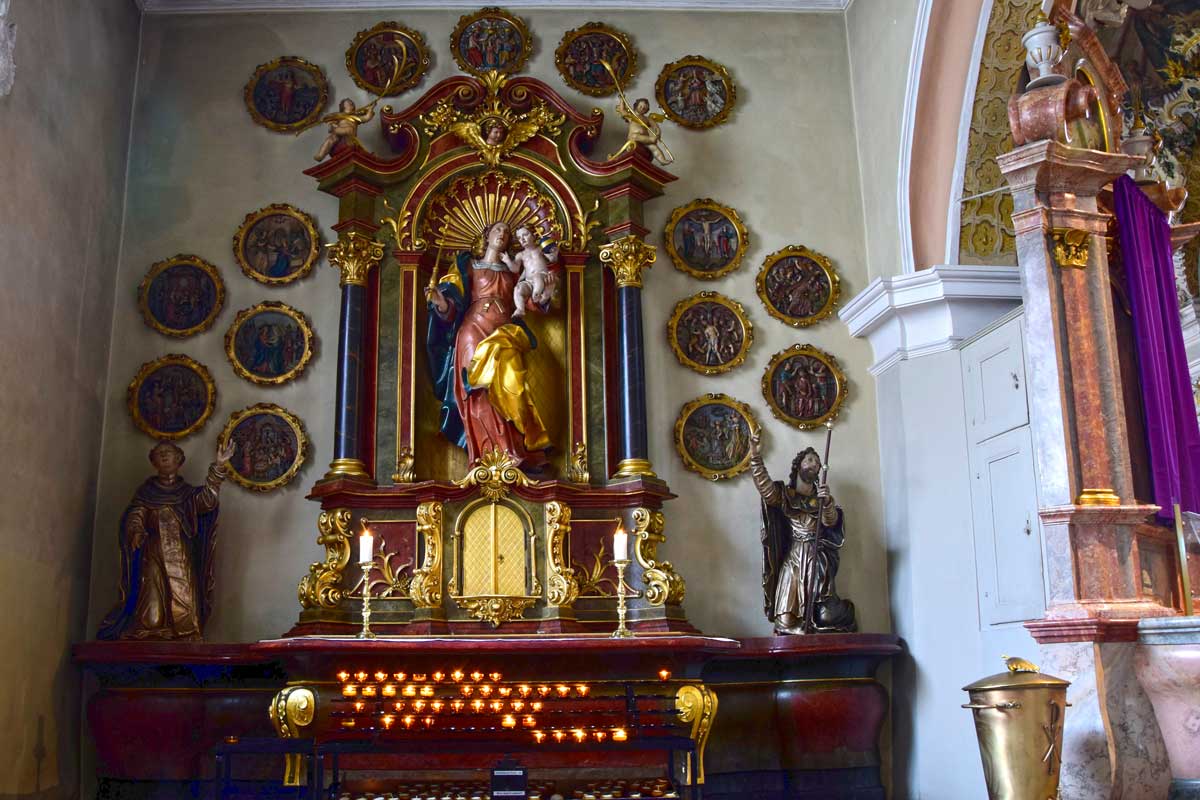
458 215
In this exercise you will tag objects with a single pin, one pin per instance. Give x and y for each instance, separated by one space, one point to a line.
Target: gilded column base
633 468
346 468
1098 497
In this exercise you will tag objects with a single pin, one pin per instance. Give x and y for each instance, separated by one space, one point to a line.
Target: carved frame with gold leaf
689 460
688 303
725 211
561 54
248 314
293 62
414 44
148 369
281 209
298 458
492 12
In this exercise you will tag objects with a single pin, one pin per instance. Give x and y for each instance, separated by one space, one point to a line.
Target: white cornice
247 6
930 310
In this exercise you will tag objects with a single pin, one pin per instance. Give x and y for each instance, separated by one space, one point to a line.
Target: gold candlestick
365 633
622 632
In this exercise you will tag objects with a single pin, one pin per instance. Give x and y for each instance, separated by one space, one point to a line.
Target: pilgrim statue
167 540
802 536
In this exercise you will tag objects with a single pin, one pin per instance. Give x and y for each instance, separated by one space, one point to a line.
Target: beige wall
64 131
787 161
880 35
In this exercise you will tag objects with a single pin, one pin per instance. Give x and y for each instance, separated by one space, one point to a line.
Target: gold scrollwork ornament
292 710
495 473
562 587
628 257
321 587
663 584
405 466
1071 247
353 255
425 591
496 610
577 466
696 704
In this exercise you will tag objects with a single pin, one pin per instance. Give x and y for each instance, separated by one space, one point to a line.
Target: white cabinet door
994 378
1008 539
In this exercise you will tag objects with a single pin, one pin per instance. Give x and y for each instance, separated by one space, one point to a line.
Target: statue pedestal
1168 667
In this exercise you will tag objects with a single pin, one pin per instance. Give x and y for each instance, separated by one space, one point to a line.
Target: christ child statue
533 265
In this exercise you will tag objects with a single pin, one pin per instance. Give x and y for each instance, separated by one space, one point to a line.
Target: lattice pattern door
493 552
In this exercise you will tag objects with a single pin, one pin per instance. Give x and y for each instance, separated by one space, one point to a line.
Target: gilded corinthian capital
353 254
627 257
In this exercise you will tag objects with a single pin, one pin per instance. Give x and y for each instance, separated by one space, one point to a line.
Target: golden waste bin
1019 723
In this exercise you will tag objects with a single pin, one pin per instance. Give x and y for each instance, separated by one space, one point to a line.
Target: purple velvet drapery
1172 432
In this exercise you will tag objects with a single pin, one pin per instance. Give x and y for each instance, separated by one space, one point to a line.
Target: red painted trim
355 183
630 493
359 225
626 228
868 644
365 163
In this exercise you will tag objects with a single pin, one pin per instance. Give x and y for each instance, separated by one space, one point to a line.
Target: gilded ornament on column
1071 247
563 588
697 704
321 587
425 591
405 469
495 610
292 709
353 254
663 583
627 257
577 467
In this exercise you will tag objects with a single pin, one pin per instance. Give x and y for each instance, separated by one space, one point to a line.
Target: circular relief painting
171 397
490 39
706 239
798 286
804 386
181 296
375 53
287 94
712 435
710 333
277 244
270 446
696 92
581 55
270 343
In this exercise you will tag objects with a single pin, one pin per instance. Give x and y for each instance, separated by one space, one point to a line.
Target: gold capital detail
696 704
1070 247
292 709
353 254
425 591
561 586
577 465
663 583
627 257
321 587
495 473
405 466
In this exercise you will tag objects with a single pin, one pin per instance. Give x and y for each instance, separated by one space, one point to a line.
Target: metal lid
1021 674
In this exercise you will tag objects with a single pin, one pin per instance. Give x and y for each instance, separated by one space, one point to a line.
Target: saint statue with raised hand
802 537
477 353
167 539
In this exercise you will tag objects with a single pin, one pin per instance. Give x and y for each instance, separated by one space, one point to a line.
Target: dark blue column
634 446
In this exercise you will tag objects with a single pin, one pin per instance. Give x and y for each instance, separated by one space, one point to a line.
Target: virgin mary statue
477 354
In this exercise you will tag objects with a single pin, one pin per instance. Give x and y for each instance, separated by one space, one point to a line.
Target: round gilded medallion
798 286
710 333
580 55
171 397
706 239
696 92
375 53
804 386
269 344
712 435
491 39
277 244
287 94
181 296
270 446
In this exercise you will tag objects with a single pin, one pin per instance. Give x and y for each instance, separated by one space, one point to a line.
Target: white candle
620 545
366 547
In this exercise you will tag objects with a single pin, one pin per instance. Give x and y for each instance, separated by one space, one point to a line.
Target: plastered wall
64 134
787 161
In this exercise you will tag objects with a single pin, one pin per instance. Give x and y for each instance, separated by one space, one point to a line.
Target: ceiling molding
255 6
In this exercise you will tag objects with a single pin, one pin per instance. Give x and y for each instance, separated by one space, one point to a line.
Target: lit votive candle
509 721
366 547
620 545
619 735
